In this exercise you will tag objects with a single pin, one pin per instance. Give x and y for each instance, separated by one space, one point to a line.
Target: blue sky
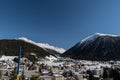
60 23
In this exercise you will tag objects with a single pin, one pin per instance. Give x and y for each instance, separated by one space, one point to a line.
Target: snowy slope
90 39
93 37
101 34
43 45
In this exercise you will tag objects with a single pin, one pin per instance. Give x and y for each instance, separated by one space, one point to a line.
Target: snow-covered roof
6 58
51 57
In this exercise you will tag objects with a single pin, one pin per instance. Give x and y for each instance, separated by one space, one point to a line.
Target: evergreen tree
116 74
111 73
105 73
91 77
0 73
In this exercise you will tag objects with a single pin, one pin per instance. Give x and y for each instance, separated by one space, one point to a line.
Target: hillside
96 47
11 47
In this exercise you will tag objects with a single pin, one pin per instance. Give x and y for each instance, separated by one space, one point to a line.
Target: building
46 77
58 77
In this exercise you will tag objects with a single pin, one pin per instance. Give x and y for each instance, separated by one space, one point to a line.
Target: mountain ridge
43 45
10 47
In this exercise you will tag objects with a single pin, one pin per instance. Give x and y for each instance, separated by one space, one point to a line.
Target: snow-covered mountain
43 45
30 49
96 46
93 37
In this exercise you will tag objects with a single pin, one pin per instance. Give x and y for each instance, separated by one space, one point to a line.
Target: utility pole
19 56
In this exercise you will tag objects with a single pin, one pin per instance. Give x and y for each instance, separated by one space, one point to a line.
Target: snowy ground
51 63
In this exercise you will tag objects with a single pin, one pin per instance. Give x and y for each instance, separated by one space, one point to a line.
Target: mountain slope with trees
10 47
96 47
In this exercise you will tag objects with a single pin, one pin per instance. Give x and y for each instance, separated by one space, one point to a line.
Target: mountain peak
97 46
101 34
96 35
24 39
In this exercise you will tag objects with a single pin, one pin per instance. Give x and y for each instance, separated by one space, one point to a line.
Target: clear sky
61 23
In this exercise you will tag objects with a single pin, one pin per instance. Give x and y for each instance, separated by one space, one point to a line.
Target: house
55 70
79 76
58 77
46 77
